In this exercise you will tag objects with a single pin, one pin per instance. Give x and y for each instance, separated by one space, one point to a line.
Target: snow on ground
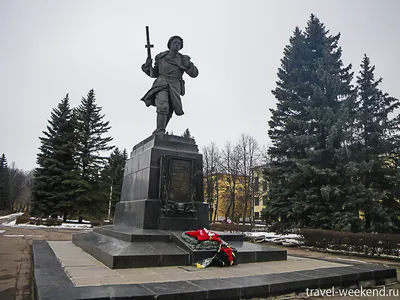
271 235
62 226
13 235
75 226
11 223
286 240
11 216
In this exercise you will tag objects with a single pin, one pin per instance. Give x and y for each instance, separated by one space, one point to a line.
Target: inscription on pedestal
180 176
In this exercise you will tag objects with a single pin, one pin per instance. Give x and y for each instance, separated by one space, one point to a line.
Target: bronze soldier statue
167 89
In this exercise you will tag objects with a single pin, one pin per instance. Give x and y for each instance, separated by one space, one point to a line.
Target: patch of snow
11 223
75 226
11 216
76 221
2 231
62 226
272 237
352 260
23 235
13 235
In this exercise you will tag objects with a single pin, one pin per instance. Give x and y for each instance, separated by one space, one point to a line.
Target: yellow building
260 195
219 189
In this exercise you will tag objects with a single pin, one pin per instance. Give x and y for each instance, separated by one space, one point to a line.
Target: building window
257 215
265 185
256 184
256 201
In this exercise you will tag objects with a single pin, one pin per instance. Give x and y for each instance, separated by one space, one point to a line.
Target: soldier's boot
161 124
169 116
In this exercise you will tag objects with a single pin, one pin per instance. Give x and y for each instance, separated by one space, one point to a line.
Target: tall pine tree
330 195
55 185
377 150
308 178
186 134
285 126
92 145
4 183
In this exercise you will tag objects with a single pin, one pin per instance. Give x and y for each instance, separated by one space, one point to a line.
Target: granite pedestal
128 247
162 196
160 168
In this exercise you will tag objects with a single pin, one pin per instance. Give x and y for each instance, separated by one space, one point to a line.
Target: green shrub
46 222
366 243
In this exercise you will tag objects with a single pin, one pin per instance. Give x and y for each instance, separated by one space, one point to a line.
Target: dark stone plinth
177 223
246 252
144 189
146 214
138 213
129 247
142 170
230 236
118 254
133 234
51 282
249 252
186 222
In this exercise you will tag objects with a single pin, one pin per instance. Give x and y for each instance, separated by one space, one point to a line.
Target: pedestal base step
133 234
119 254
127 247
246 252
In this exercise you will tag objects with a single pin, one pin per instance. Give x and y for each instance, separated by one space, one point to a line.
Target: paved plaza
84 270
16 264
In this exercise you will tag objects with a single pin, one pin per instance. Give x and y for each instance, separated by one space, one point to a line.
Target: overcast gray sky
50 48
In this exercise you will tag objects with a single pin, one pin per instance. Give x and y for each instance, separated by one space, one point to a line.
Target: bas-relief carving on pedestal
177 186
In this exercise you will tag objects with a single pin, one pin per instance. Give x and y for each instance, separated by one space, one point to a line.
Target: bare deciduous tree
231 169
211 169
249 153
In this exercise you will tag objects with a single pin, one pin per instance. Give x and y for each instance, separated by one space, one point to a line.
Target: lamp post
252 200
109 202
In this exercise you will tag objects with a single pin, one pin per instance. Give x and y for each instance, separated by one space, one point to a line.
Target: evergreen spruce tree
113 174
4 183
331 195
377 150
91 145
291 92
186 134
125 155
54 188
309 168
